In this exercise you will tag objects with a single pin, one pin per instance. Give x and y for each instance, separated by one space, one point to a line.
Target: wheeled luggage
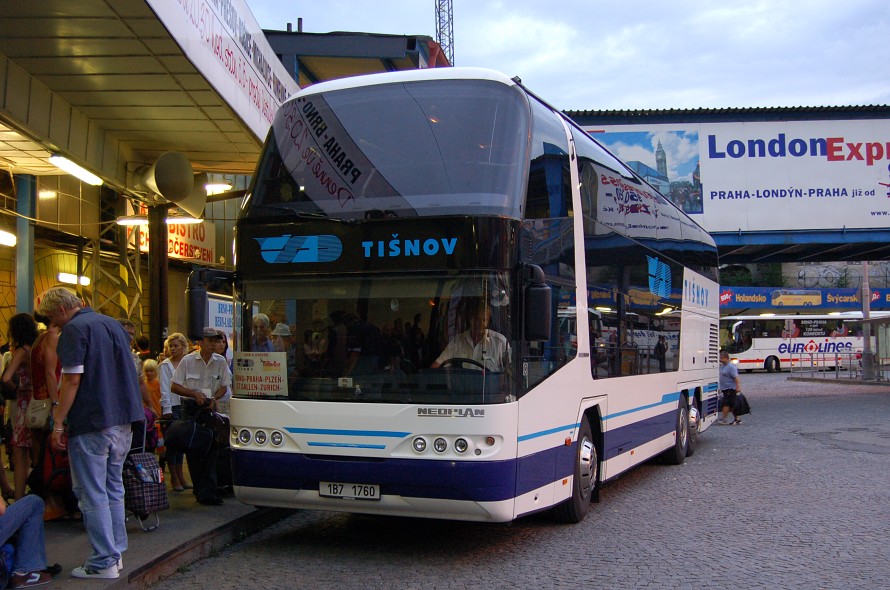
145 493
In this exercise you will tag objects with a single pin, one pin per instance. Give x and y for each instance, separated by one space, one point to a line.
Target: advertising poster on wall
764 176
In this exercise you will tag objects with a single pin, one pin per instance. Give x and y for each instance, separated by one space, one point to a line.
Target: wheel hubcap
683 434
586 467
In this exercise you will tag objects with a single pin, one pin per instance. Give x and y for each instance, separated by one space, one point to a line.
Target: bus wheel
771 364
585 481
695 421
677 453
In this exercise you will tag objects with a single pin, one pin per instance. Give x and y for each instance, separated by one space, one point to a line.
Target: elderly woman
175 347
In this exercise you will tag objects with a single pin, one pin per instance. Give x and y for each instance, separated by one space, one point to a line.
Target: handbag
37 414
218 424
187 436
742 406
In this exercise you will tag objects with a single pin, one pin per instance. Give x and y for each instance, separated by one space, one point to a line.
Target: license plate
349 491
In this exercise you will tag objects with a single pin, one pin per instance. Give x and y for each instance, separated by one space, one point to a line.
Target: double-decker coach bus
416 231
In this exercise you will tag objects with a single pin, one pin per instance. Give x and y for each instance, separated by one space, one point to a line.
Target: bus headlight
440 444
461 445
260 437
244 437
419 445
277 439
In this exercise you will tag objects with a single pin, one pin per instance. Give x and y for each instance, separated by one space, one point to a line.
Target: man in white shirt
487 347
201 379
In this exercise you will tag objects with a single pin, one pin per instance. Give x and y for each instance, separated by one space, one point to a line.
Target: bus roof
407 76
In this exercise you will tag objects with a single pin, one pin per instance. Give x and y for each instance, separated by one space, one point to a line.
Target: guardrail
825 365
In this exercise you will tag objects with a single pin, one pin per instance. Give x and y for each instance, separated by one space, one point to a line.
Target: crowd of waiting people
39 487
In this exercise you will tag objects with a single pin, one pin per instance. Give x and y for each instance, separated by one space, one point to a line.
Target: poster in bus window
668 160
260 374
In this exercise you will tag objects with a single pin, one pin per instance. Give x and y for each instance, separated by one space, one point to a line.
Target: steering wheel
458 360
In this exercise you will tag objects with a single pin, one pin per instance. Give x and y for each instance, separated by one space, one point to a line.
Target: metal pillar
158 311
868 357
25 206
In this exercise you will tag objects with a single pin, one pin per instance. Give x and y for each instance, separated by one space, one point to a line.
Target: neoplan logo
450 412
289 249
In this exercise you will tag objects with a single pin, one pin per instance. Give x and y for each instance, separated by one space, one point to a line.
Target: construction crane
445 28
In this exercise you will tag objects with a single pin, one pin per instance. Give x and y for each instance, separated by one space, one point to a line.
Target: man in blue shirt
99 397
729 387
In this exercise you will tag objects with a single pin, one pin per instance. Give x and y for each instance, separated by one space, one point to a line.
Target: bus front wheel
771 365
584 482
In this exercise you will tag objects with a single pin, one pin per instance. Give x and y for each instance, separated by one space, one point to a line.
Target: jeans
24 519
97 463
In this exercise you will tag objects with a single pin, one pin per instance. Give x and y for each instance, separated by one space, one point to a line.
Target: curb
201 547
841 381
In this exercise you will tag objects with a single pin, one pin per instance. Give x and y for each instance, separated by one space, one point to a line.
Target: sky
644 54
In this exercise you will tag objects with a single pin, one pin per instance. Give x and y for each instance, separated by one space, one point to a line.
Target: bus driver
477 343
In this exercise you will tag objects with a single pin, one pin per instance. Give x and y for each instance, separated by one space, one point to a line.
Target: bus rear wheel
575 508
771 364
694 427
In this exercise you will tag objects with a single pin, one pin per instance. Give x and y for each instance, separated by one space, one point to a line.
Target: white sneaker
89 572
120 564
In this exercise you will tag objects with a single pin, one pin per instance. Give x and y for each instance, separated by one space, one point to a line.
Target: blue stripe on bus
665 399
625 438
346 445
526 437
336 432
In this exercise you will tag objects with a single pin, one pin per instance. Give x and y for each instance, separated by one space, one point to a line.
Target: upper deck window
410 149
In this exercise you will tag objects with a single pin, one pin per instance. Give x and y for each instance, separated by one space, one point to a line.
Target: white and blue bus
773 342
385 212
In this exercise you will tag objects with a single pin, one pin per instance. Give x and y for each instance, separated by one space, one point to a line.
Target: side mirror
196 297
537 295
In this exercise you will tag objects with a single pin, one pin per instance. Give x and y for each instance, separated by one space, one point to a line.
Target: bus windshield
388 339
396 150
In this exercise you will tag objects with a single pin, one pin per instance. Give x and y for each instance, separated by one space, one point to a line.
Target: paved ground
795 497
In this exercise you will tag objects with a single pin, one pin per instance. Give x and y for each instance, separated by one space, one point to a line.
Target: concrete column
26 207
158 310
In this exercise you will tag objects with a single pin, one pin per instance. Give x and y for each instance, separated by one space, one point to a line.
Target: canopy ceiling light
71 279
143 220
74 170
7 239
217 187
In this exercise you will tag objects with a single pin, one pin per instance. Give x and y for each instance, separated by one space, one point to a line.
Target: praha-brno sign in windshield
761 176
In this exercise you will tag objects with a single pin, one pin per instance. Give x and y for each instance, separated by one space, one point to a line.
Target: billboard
810 300
764 176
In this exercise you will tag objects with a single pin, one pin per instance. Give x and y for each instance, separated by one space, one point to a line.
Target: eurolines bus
389 218
776 341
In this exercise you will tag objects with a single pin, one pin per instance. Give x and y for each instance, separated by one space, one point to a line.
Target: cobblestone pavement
795 497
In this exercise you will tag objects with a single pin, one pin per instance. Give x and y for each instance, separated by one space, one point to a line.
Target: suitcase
145 492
